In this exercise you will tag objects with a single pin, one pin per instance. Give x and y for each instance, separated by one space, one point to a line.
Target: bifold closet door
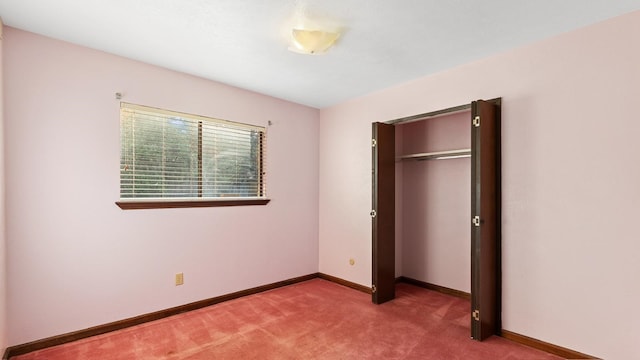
383 212
485 217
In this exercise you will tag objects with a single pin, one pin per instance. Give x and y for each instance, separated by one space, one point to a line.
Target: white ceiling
244 42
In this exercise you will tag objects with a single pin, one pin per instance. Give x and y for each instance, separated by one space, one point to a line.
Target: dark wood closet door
485 216
383 212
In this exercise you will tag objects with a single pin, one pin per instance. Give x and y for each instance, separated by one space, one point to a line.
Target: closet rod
437 155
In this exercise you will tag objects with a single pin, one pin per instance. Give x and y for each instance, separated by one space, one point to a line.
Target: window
171 159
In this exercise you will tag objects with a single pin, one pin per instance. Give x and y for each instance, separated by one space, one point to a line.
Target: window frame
192 202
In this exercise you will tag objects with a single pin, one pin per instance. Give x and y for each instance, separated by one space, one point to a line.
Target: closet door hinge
373 213
374 143
373 289
476 315
476 121
476 220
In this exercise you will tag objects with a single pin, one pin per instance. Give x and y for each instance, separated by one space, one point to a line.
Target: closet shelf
437 155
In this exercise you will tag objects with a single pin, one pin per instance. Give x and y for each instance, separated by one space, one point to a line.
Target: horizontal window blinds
167 154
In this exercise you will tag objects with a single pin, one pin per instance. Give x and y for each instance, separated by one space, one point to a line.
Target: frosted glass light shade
312 41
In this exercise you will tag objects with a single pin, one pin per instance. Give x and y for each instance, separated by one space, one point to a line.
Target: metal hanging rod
437 155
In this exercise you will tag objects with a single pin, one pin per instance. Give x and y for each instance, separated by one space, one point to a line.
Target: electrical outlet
179 279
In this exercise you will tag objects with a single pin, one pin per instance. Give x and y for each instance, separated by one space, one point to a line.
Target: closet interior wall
433 205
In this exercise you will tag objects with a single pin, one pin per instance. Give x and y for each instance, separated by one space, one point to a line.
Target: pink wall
75 259
3 243
436 202
399 200
570 181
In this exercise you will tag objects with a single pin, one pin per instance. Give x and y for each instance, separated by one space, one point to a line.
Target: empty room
299 179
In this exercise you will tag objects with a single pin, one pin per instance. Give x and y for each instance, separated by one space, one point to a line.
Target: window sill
182 203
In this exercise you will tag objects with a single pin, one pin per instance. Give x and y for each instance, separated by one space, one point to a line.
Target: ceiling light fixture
312 42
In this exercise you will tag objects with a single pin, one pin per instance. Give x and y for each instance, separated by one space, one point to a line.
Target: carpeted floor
315 319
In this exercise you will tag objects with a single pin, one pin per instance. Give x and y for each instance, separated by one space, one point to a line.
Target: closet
433 174
436 200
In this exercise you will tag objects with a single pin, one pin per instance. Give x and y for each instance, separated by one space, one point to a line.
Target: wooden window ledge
182 203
